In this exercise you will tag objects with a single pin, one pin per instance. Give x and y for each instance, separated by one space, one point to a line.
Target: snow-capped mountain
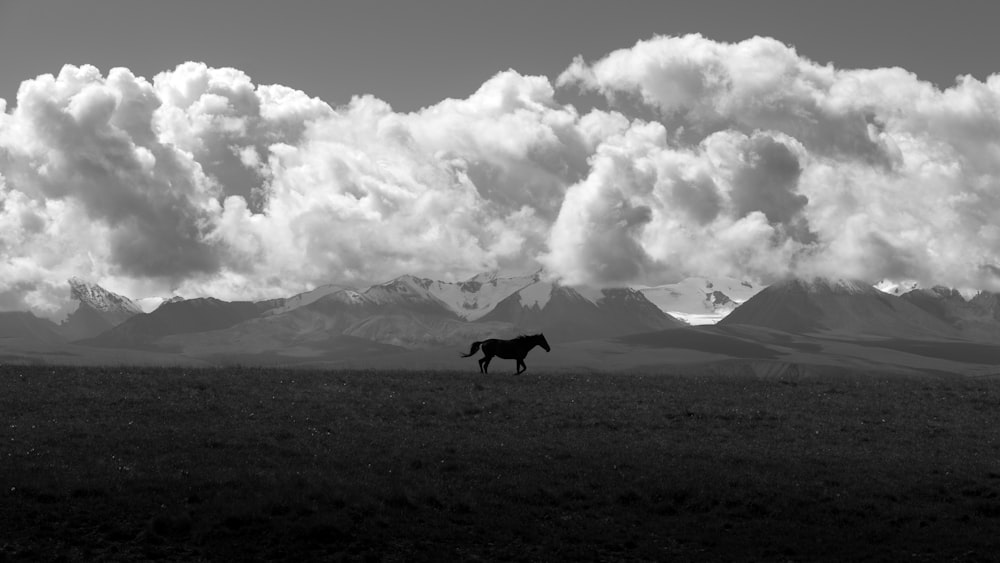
479 294
901 288
402 312
897 288
406 312
567 313
846 307
469 299
405 292
699 300
99 310
399 313
332 325
102 300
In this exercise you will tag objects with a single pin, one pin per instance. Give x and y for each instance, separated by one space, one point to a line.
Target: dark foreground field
248 464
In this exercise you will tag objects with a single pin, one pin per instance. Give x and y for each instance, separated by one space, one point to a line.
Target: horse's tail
475 348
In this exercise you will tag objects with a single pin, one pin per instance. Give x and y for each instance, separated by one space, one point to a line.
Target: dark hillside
180 317
22 325
838 306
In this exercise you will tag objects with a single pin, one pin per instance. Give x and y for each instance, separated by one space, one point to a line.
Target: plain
193 464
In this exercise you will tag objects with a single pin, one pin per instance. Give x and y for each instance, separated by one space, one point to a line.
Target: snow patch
101 299
477 296
536 294
402 289
701 300
894 287
897 288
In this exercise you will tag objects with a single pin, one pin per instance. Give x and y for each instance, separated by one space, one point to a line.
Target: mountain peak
575 313
821 285
405 282
406 286
99 310
101 299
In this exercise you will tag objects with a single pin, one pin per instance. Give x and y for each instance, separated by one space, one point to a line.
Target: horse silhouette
516 349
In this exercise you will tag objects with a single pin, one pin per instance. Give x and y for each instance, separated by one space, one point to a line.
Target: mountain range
412 321
841 307
566 314
332 321
850 308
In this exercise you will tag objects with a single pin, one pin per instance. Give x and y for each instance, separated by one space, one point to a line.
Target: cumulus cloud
863 172
651 209
742 159
200 182
87 139
699 86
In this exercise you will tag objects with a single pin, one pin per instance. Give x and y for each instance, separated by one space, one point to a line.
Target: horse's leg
520 366
481 361
486 364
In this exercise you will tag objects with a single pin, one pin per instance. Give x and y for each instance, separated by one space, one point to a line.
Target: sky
258 149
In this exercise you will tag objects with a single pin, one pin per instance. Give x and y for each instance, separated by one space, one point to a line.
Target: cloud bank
741 159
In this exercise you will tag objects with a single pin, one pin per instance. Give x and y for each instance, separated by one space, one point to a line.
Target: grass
269 464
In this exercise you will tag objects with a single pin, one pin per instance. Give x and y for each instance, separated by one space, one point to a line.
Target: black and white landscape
817 325
267 270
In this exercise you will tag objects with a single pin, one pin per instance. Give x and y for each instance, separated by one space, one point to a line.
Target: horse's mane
522 337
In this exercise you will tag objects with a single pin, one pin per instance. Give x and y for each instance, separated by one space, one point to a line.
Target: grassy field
255 464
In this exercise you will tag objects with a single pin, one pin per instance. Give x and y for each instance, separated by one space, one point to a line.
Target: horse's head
540 340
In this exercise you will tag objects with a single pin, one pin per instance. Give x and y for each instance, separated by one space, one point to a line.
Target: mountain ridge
977 318
838 306
565 313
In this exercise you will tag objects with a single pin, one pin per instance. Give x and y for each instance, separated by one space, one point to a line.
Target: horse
516 349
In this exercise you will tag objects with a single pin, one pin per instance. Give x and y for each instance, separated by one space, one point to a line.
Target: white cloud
651 210
895 177
200 182
756 162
